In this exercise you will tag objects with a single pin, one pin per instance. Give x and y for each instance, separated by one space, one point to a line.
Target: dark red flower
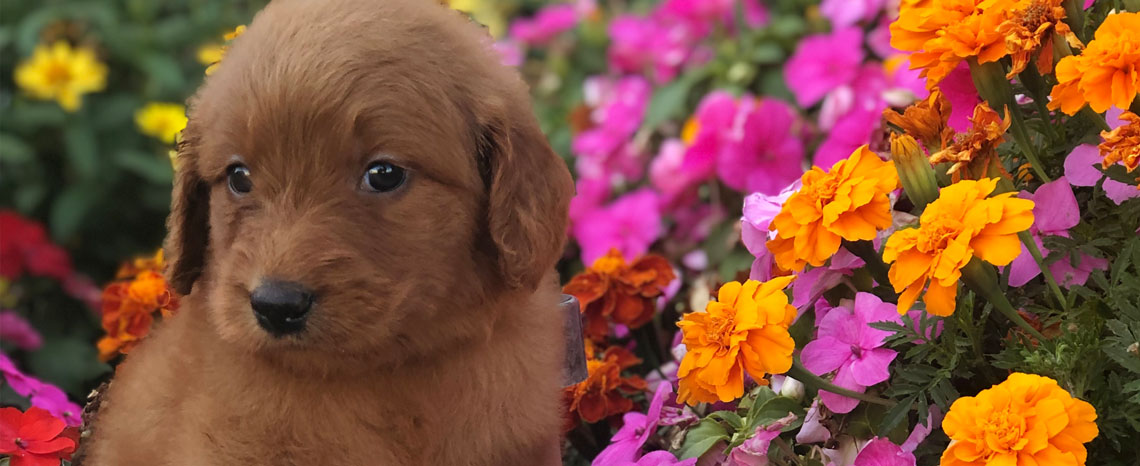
34 438
25 248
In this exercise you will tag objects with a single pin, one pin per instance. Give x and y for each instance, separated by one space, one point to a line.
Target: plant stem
1095 118
1027 240
799 372
787 449
981 278
1021 134
1075 18
866 250
1033 81
989 80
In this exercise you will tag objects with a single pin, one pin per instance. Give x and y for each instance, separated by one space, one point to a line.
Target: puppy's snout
281 307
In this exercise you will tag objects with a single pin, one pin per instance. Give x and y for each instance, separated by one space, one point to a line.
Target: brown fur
435 337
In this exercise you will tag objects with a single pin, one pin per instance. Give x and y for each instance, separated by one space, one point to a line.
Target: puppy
364 224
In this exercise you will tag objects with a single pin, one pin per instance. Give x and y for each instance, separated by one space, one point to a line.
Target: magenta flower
851 131
636 428
510 52
958 87
651 46
631 223
759 210
881 451
666 173
1055 211
659 458
17 331
843 13
545 25
754 451
590 194
1082 168
812 283
848 345
606 148
42 395
866 91
822 63
751 144
704 15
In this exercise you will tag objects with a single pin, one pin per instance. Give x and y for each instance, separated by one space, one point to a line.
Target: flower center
1003 431
20 443
936 235
1035 15
57 73
608 264
721 330
856 351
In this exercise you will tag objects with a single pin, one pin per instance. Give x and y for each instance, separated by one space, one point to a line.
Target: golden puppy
365 222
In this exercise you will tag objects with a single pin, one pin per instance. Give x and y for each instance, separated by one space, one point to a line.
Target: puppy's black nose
281 307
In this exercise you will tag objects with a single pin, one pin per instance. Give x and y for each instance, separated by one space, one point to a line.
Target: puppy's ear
188 225
529 196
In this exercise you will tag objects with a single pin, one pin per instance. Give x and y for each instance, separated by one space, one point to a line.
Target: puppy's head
356 179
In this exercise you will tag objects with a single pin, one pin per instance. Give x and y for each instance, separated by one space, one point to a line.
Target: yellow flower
1106 74
941 33
1123 143
745 329
1025 420
1030 29
486 12
62 73
849 202
976 149
212 54
960 224
161 120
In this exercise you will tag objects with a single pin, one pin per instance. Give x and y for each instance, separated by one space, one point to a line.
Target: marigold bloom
129 305
161 120
61 73
625 293
1029 31
212 55
962 223
942 33
604 392
1027 419
849 202
977 148
1104 75
1123 143
745 329
925 120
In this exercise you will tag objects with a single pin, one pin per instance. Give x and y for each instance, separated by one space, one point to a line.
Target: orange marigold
1106 73
944 32
977 149
129 305
1029 32
962 223
625 293
1027 419
745 329
1123 143
849 202
925 120
605 391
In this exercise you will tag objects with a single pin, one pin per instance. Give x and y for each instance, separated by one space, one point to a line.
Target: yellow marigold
62 73
1123 143
849 202
161 120
1029 31
1105 74
1025 420
962 223
977 148
925 120
942 33
745 329
212 55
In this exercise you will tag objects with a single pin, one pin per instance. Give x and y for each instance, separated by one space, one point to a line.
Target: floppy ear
529 197
188 226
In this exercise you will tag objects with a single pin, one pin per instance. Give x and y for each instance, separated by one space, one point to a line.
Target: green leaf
163 72
69 210
734 420
15 150
153 168
897 413
775 409
82 150
669 101
701 438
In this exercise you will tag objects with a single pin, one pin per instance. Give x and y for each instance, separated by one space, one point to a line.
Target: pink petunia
631 223
606 149
42 395
545 25
958 87
822 63
850 132
1082 168
627 442
843 13
651 46
1055 211
754 451
881 451
17 331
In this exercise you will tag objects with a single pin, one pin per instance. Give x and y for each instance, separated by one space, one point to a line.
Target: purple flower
883 452
813 430
851 131
636 428
824 62
1082 169
631 223
651 46
754 451
606 148
42 395
14 329
1055 211
545 25
843 13
659 458
958 87
811 284
759 210
848 345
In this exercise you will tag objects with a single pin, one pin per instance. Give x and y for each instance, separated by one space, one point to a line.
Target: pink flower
14 329
759 210
751 144
824 62
958 87
630 224
1082 169
1055 211
812 283
42 395
545 25
607 147
850 132
510 52
636 428
666 173
591 194
754 451
660 458
651 46
848 345
704 15
813 430
882 451
843 13
866 91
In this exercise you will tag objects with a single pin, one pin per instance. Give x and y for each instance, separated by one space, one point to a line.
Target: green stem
1033 81
799 372
1021 134
1095 118
989 80
1132 5
1027 240
1075 17
866 250
981 278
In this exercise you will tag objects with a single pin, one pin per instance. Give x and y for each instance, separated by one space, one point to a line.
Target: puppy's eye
237 176
382 177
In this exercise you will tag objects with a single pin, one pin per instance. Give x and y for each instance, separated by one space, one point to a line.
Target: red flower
24 247
611 289
34 438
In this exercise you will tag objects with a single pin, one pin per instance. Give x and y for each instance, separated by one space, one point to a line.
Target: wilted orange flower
1029 31
1027 419
745 329
129 305
605 391
925 120
978 147
613 289
962 223
944 32
1105 74
849 202
1123 143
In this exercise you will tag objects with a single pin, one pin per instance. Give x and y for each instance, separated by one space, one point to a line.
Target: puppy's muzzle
280 307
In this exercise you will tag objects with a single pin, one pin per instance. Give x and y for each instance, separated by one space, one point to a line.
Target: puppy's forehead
315 81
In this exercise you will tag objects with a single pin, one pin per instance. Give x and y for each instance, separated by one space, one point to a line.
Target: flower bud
915 172
792 388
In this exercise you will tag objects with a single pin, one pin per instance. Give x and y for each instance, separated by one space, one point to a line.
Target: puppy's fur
434 338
